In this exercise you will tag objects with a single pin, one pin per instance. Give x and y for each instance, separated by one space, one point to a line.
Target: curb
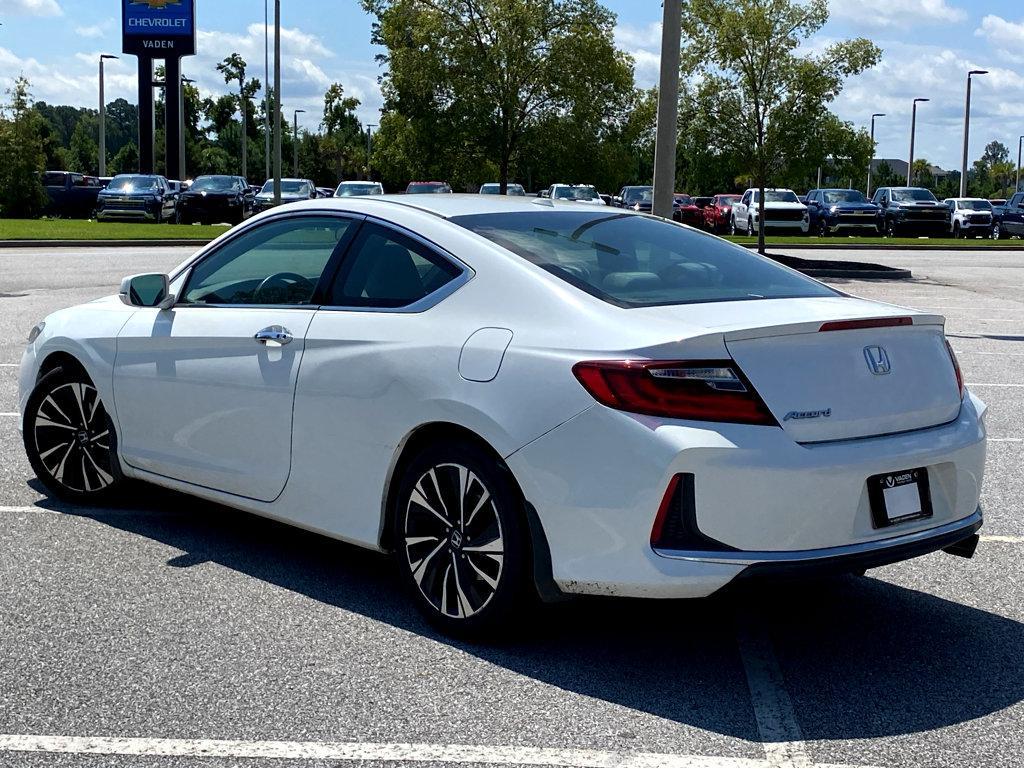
827 268
101 243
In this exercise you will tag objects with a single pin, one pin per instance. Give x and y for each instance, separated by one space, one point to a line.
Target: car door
1013 216
739 211
204 391
371 363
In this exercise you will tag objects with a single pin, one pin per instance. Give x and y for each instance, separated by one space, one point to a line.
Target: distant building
899 167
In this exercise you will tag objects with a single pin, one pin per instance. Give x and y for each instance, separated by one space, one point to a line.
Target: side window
277 263
387 269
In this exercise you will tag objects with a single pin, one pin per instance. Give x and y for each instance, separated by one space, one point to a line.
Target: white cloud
908 71
883 14
644 45
30 8
93 31
1006 36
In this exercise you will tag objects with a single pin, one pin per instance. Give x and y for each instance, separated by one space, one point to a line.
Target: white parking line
9 365
994 384
416 753
1000 538
781 738
9 414
1006 440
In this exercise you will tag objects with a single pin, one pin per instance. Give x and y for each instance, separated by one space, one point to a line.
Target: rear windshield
353 190
638 261
413 189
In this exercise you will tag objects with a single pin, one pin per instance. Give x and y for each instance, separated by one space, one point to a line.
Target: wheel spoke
419 498
104 476
484 499
85 475
47 453
42 421
410 541
440 496
491 581
465 607
419 568
79 390
51 402
58 473
94 409
494 547
463 487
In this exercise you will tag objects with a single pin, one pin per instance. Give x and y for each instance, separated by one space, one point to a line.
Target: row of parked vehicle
154 198
892 211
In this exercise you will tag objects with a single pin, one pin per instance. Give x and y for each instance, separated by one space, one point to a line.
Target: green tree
476 75
22 157
84 152
345 139
126 161
233 69
766 97
921 174
885 176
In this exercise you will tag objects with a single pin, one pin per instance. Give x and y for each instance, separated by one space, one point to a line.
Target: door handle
273 336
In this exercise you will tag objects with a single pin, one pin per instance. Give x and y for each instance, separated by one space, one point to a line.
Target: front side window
278 263
637 261
388 269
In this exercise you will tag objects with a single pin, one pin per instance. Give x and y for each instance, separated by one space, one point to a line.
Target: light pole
295 141
103 118
370 175
277 102
913 127
967 130
668 109
182 171
266 86
1016 186
870 162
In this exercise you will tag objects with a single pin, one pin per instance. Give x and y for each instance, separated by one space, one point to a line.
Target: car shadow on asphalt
861 657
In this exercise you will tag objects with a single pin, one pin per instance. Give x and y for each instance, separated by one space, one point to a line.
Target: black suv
214 199
910 211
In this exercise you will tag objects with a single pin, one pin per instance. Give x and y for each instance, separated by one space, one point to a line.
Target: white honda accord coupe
518 398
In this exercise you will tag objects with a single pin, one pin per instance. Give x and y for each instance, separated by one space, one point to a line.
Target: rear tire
70 439
461 540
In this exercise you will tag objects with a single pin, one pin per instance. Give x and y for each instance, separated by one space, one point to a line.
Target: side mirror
148 290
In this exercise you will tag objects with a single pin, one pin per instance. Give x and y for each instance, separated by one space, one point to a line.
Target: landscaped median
76 231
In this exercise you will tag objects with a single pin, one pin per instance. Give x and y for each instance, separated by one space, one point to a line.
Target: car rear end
833 443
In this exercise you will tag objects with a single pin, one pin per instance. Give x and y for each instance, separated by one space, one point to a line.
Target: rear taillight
850 325
708 391
956 369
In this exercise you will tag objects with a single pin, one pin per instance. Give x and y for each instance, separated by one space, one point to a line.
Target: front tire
997 231
890 229
461 541
822 229
70 439
957 232
732 227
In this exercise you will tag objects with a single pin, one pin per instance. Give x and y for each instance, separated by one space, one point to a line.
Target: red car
716 215
684 210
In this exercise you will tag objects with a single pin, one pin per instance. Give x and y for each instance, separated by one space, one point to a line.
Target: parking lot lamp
1016 186
103 118
913 126
295 140
277 102
369 127
870 162
967 130
266 86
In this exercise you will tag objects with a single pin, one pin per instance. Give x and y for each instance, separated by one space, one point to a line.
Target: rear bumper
864 555
598 480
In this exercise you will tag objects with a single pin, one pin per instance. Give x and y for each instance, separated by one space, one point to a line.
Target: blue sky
928 47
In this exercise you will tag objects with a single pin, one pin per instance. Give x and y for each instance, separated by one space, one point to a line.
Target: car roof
459 204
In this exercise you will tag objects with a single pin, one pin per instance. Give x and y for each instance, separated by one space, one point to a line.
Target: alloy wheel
73 439
452 539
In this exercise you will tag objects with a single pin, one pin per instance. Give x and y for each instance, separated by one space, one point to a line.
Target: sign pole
145 115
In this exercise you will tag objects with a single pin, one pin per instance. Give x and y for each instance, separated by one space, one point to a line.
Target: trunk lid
852 383
825 382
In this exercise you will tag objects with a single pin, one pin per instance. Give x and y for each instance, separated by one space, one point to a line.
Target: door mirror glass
149 290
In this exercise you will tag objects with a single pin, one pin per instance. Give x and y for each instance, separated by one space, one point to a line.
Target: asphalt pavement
176 632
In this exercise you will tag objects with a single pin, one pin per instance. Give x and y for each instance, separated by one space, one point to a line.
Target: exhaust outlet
964 548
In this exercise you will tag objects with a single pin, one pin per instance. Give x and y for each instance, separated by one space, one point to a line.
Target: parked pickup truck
72 196
1012 220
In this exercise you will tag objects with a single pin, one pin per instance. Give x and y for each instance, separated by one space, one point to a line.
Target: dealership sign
158 28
